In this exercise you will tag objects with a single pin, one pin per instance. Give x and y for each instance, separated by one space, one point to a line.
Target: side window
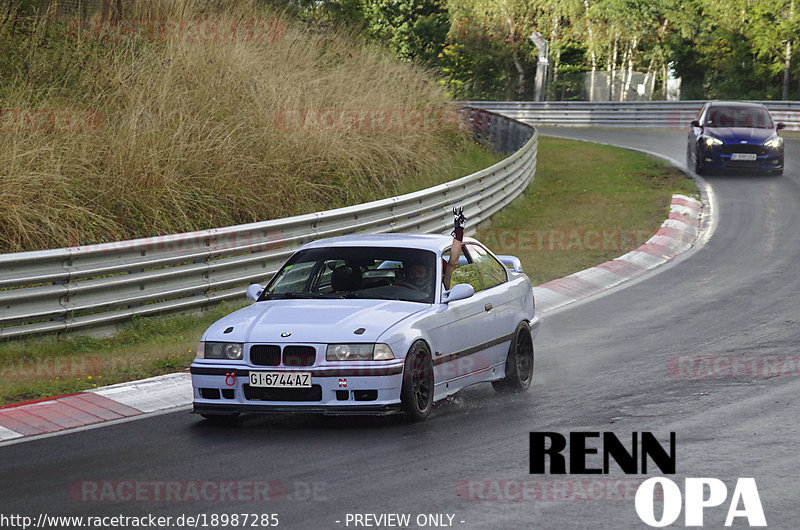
466 272
482 272
490 271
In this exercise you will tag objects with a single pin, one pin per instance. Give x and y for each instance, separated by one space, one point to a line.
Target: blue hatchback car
735 135
370 324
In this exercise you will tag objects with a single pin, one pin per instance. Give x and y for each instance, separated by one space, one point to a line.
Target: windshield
749 117
356 272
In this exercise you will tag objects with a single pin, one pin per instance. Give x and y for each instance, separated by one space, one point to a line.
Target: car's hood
311 321
735 135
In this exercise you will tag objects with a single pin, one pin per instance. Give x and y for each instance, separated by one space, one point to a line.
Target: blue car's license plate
281 379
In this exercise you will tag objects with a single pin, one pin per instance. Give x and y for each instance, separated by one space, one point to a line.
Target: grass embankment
184 117
590 203
578 186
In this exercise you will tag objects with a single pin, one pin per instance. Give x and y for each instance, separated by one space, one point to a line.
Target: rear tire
416 395
519 363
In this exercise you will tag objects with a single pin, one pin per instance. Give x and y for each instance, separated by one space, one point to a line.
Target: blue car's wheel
416 395
698 167
519 363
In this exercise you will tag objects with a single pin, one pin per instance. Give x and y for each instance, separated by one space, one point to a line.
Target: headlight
359 352
774 143
219 350
710 140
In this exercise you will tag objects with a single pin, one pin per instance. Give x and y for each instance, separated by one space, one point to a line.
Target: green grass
578 186
589 203
41 367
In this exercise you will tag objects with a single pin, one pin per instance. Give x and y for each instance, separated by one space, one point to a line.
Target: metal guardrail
98 285
656 114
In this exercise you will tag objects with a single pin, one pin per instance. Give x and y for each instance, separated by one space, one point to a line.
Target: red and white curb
174 391
82 409
676 235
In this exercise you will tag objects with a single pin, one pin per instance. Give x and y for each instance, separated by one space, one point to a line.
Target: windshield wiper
293 296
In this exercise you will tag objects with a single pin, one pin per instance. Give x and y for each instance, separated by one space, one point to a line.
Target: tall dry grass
185 137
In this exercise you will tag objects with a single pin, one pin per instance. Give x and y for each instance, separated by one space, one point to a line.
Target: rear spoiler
512 262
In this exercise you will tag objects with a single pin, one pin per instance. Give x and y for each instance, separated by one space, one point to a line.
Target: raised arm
455 251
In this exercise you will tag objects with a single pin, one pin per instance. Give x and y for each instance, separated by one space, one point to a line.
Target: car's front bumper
372 389
721 157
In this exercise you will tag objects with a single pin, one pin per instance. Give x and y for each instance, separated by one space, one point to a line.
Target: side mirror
780 126
459 291
254 291
695 123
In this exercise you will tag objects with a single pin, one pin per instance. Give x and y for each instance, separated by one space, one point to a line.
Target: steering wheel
403 283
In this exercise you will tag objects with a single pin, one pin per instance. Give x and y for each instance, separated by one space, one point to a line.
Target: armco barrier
660 114
91 286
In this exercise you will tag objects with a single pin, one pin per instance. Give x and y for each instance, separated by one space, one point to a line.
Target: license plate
743 156
281 379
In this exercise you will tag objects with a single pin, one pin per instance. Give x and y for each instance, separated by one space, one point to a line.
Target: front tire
519 363
416 395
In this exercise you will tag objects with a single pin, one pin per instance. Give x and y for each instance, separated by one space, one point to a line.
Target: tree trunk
787 65
556 52
623 83
515 58
626 89
520 75
612 69
649 74
591 51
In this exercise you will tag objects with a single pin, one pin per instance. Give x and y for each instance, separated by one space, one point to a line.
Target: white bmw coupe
371 324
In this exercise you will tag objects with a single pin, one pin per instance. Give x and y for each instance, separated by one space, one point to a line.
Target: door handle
488 307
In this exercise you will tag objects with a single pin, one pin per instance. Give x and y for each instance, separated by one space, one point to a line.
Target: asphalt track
605 364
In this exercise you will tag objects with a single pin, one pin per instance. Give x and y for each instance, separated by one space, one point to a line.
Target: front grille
255 393
265 355
299 355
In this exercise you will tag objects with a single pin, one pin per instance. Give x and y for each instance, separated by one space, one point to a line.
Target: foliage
720 49
124 135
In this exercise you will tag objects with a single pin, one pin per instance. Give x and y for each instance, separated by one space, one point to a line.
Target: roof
432 242
735 104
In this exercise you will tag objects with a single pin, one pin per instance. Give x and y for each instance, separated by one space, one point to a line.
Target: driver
419 276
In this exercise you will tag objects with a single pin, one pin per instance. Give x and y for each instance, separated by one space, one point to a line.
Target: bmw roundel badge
286 334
